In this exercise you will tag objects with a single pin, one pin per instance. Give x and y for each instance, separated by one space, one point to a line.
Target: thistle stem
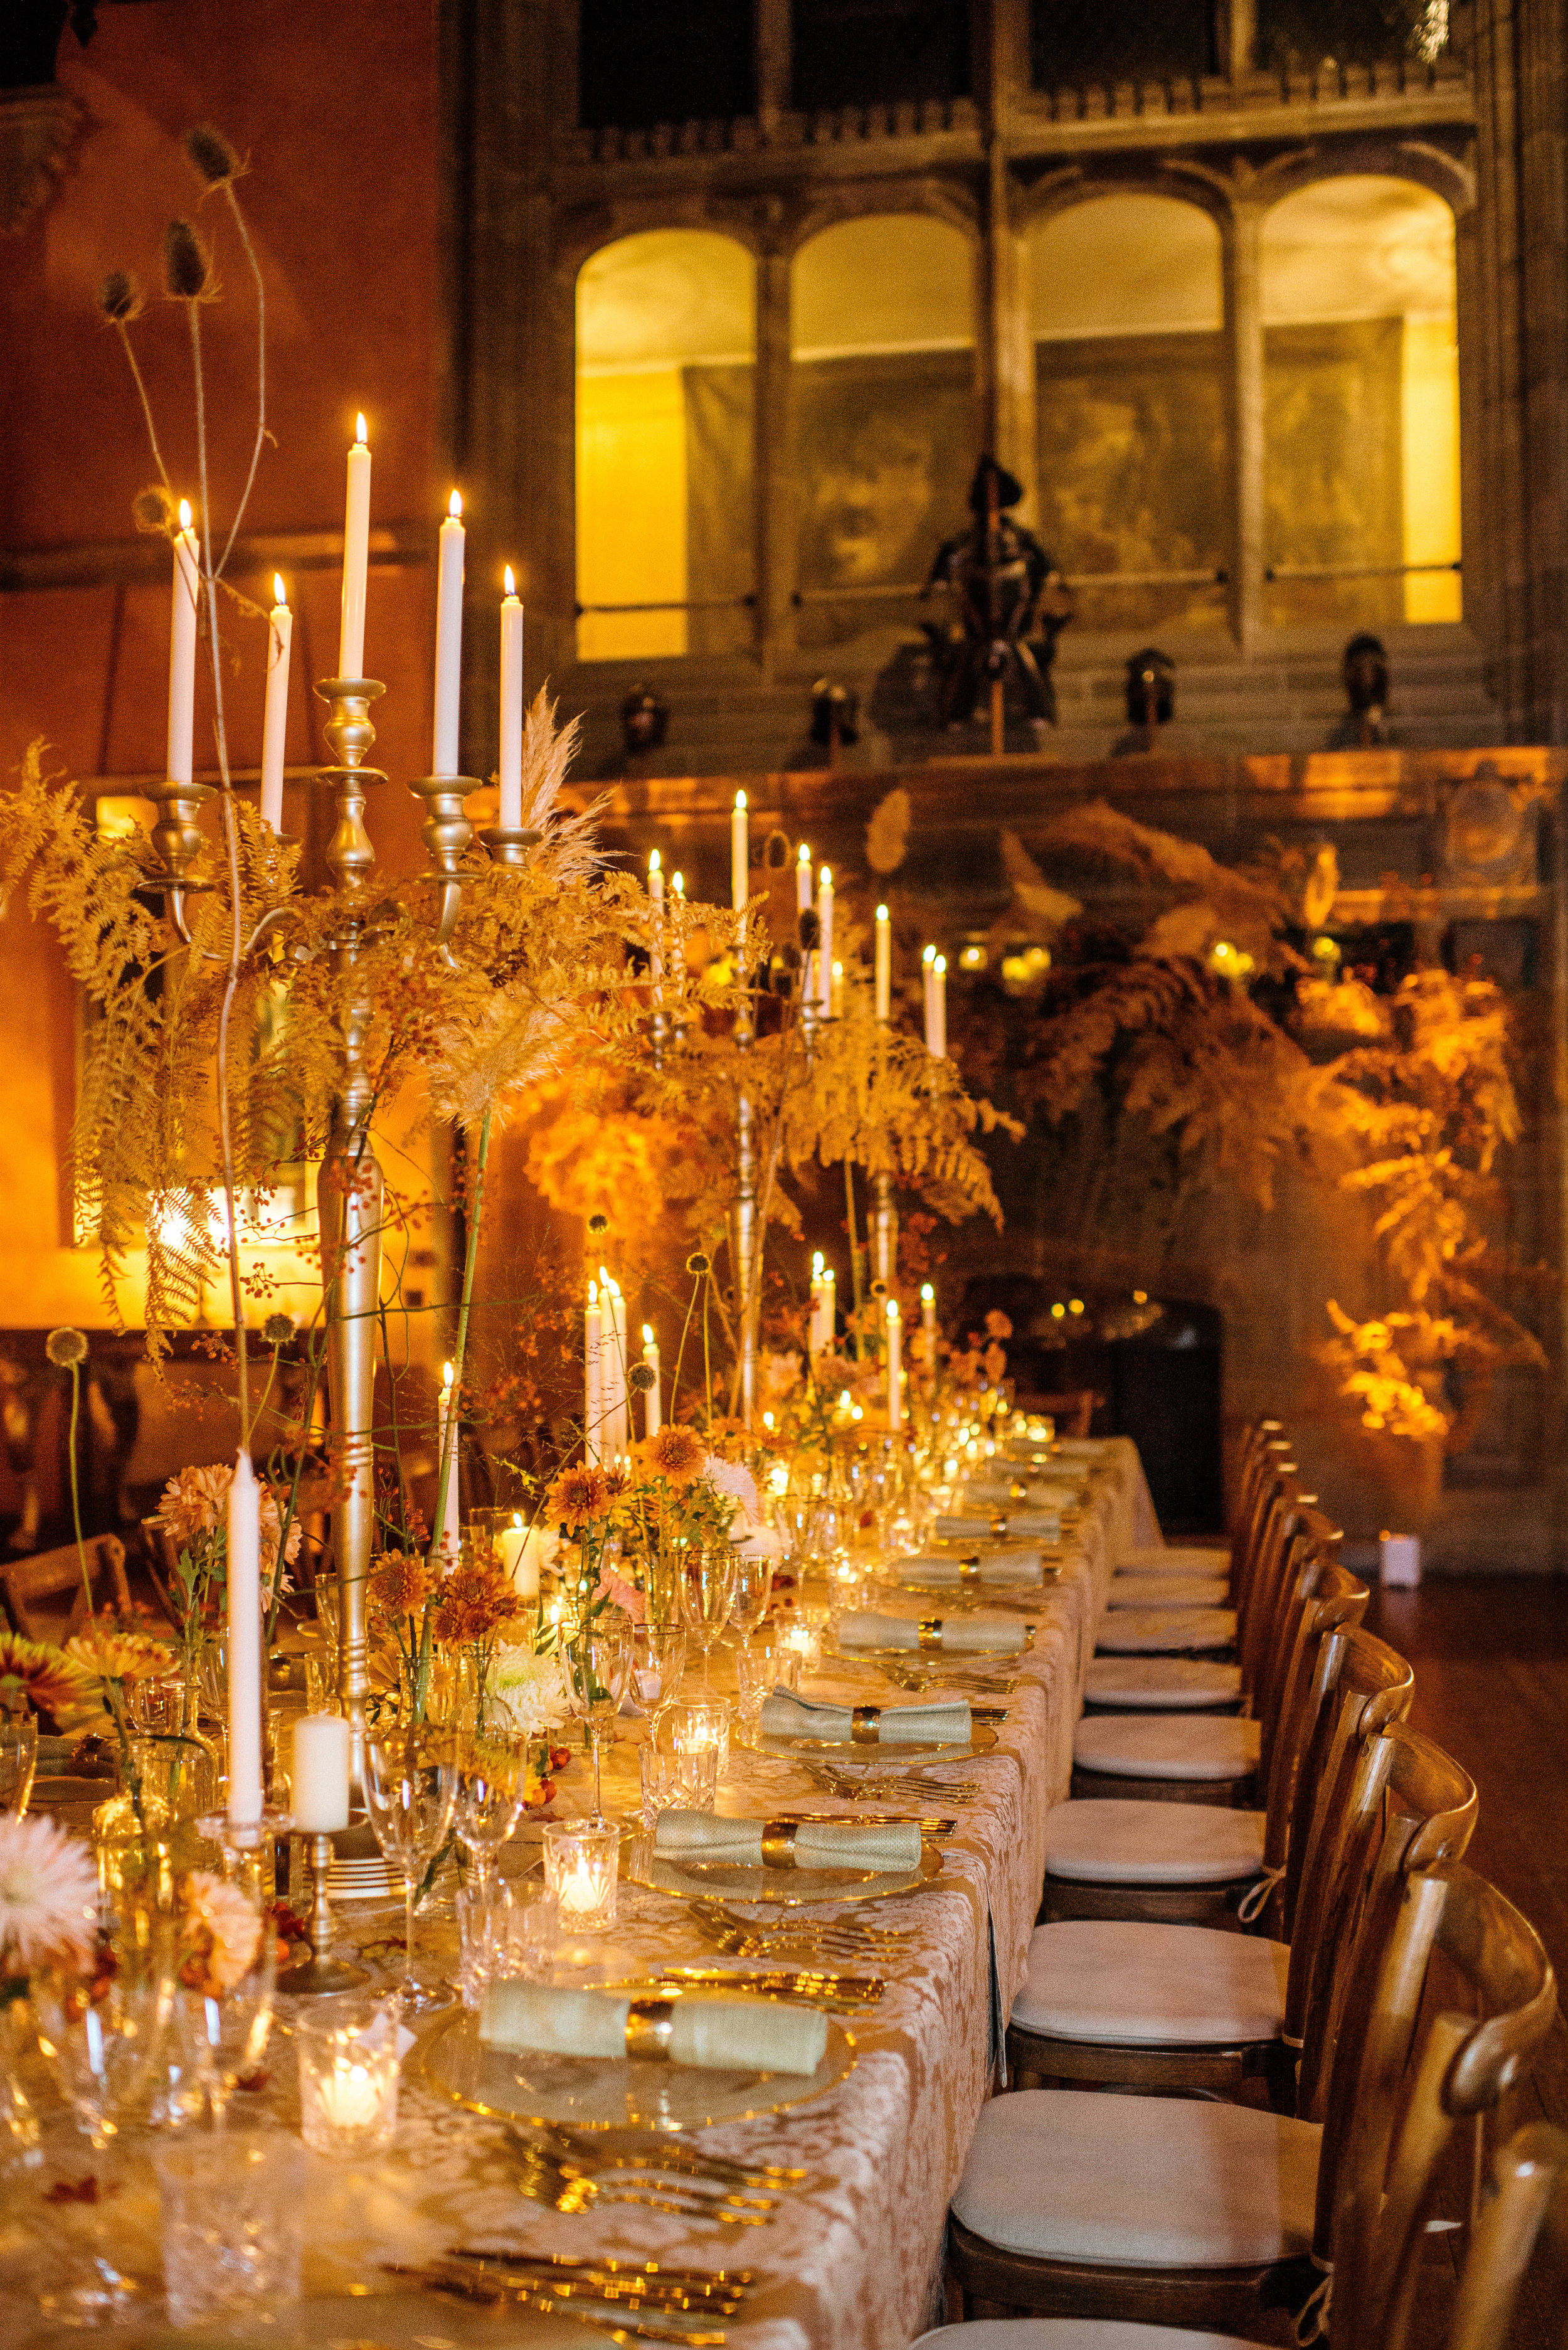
470 1260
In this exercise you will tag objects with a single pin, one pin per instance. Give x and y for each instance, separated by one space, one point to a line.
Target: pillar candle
825 950
884 964
243 1571
318 1781
451 1535
355 557
275 724
740 854
801 879
183 651
520 1558
592 1368
894 1365
449 641
509 774
653 1396
938 1042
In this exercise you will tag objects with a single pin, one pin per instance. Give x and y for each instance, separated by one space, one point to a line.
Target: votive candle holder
349 2067
581 1866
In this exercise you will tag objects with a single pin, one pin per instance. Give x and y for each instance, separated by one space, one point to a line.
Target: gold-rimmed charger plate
693 1879
605 2093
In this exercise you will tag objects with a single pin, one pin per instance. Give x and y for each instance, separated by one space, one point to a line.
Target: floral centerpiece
194 1514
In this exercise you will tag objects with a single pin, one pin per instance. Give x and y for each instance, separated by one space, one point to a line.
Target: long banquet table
854 2264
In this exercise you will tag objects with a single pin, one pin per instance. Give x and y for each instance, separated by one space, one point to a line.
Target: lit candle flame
647 1334
653 860
882 913
739 799
927 1292
826 876
280 593
184 514
360 434
941 964
678 883
446 1375
803 855
929 955
454 506
511 574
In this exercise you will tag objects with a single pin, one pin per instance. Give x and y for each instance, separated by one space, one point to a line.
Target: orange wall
336 109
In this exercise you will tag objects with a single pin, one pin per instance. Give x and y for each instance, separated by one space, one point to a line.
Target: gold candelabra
350 1190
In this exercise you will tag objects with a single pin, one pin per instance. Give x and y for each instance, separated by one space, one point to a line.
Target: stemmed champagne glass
411 1793
753 1589
598 1666
658 1663
492 1775
707 1594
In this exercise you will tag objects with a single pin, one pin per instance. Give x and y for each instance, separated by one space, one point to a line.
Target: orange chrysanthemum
402 1584
677 1454
473 1602
577 1497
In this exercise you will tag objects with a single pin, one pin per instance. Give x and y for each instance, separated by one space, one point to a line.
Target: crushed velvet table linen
851 2265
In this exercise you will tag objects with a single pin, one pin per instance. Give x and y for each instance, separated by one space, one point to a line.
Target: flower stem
471 1259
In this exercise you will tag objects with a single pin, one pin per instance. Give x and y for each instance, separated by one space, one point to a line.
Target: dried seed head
640 1379
809 924
65 1348
776 852
121 298
186 267
699 1263
212 155
279 1328
598 1225
154 510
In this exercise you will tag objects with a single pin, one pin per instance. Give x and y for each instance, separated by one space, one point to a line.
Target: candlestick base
248 1848
446 833
321 1973
507 847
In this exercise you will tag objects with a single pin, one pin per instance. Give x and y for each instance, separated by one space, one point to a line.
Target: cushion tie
1255 1899
1311 2322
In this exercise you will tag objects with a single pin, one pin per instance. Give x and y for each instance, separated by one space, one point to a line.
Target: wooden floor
1491 1685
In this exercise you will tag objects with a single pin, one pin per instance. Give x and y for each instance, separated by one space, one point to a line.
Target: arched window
1126 309
888 422
1361 405
666 343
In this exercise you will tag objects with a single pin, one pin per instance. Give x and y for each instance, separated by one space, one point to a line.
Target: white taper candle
884 964
244 1574
182 611
592 1365
509 770
449 641
355 557
740 854
653 1396
275 724
825 948
894 1365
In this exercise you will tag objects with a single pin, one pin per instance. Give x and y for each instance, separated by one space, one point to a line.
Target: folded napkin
942 1572
1049 1463
1037 1526
889 1845
722 2035
869 1631
1037 1495
784 1715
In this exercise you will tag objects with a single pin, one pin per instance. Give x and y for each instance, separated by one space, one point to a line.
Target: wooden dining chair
1139 2005
43 1596
1180 2211
1523 2197
1185 1864
1154 1757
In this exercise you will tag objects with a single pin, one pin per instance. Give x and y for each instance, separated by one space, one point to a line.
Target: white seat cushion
1140 2182
1105 1841
1167 1591
1124 1982
1144 1631
1179 1684
1163 1746
1072 2334
1176 1558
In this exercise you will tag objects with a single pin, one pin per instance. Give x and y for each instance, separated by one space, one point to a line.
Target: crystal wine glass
104 2037
492 1775
411 1794
18 1760
707 1594
599 1665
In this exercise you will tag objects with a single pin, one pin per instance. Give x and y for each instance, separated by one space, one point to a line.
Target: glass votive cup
483 1935
679 1780
349 2065
800 1642
232 2223
703 1722
581 1864
533 1935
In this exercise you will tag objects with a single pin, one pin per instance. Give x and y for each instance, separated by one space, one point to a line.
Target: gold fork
567 2186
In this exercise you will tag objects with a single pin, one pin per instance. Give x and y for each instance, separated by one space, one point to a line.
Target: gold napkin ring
649 2028
998 1526
931 1630
865 1725
969 1570
778 1843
